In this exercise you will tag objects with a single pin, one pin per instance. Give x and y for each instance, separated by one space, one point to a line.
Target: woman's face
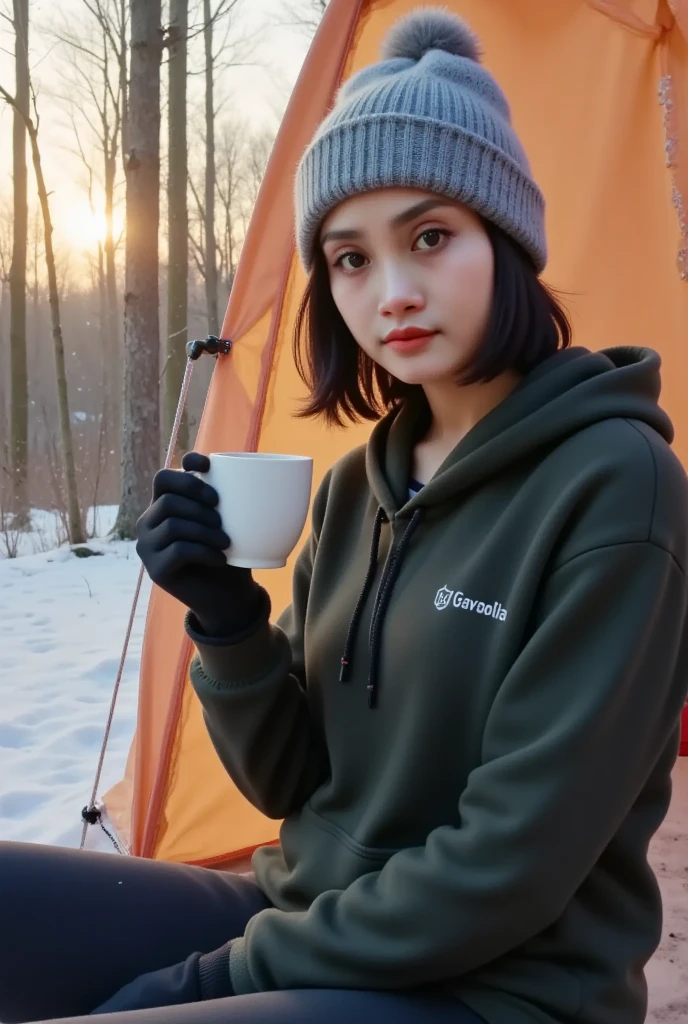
403 258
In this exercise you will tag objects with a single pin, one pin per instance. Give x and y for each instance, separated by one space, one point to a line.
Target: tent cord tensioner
91 814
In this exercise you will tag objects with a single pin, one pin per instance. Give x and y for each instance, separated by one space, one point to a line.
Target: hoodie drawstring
344 674
382 600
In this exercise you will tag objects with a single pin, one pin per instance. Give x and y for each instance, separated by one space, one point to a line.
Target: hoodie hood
568 392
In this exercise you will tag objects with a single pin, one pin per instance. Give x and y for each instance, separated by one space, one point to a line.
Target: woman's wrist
234 619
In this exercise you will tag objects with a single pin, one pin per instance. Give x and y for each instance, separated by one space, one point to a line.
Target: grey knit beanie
427 116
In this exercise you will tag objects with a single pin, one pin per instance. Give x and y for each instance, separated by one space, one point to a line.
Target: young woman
469 714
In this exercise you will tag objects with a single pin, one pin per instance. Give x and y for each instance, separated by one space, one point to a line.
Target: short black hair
527 324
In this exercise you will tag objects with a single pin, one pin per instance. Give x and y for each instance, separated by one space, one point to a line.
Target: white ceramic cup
264 502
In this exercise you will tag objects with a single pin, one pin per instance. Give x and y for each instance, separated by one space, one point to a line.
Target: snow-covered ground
62 625
63 621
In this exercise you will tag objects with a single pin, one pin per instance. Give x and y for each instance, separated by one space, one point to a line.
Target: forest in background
93 335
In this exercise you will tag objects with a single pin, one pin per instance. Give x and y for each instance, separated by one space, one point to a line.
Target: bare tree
210 240
100 277
112 20
107 384
228 186
255 158
37 258
178 219
257 154
5 240
99 100
109 381
304 15
76 529
241 159
19 389
5 263
231 51
141 435
5 250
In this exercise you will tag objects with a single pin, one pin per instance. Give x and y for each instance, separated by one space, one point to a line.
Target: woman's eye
432 237
350 256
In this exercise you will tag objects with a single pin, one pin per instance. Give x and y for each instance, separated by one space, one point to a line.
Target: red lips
407 334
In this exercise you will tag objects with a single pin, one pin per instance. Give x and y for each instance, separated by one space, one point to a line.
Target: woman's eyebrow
341 234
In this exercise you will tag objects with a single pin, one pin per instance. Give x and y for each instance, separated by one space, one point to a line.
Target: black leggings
76 926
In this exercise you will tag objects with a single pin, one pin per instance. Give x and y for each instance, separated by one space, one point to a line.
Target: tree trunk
124 81
178 257
141 433
34 283
19 387
74 521
5 476
102 301
210 244
112 341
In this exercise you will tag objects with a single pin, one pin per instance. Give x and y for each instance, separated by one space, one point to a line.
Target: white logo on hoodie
446 597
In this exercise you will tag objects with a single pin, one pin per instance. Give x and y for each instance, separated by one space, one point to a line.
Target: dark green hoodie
472 806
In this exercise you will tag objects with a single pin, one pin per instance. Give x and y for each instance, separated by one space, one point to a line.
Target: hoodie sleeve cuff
224 664
213 974
239 975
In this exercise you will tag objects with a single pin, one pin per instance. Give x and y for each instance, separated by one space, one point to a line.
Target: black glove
199 977
181 542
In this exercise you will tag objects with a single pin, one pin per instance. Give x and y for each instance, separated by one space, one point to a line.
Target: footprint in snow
65 777
82 738
14 737
39 645
39 621
21 803
39 716
103 672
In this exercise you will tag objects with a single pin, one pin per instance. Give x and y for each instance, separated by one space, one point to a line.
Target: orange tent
585 79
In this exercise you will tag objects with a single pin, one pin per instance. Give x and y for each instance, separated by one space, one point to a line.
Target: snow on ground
62 626
63 621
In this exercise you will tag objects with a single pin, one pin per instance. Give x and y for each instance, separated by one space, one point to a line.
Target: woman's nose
399 295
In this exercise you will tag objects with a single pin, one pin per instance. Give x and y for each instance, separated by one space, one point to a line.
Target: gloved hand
199 977
180 541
